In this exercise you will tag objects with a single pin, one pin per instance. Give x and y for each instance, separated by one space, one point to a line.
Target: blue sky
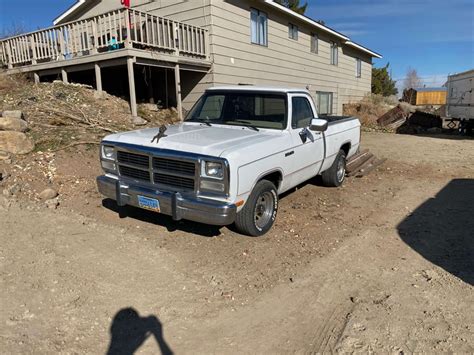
436 37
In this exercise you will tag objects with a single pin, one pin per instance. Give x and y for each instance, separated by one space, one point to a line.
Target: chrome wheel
341 170
264 209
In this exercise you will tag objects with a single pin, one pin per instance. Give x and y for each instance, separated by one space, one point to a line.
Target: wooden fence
125 28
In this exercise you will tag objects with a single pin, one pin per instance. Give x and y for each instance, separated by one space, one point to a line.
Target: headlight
214 170
108 152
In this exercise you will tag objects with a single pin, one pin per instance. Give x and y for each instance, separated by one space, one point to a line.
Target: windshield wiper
247 124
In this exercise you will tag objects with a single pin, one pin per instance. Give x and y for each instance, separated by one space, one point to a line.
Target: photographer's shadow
129 332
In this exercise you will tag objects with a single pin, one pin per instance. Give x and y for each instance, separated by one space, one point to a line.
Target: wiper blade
248 125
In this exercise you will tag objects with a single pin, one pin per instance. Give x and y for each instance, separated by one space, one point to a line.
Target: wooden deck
106 36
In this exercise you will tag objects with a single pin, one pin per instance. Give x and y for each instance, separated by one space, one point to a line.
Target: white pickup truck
237 151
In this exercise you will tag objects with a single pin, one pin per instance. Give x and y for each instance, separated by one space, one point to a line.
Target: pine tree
294 5
382 84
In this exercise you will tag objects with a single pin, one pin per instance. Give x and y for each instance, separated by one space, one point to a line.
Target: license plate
150 204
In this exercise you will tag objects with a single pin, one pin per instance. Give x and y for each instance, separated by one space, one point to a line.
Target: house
425 96
172 50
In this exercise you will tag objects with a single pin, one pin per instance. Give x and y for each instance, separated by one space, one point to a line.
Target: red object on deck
126 3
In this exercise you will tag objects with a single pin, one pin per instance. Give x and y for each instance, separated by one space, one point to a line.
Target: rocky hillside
47 123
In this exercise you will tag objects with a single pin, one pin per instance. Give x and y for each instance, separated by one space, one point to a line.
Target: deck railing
124 28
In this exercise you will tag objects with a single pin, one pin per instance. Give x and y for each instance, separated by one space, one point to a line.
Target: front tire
259 213
336 174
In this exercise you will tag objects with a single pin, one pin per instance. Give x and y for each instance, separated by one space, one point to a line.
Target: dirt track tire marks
331 330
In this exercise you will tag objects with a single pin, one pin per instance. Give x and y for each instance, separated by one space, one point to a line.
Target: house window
334 53
314 43
325 100
358 68
259 27
293 31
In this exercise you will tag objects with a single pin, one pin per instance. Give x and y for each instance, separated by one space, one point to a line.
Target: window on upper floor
334 53
358 68
314 43
259 27
293 31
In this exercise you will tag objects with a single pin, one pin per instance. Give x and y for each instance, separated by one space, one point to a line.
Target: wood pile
393 119
363 163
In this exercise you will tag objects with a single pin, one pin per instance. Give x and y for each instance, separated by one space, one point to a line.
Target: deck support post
179 104
64 75
9 55
36 78
98 77
131 84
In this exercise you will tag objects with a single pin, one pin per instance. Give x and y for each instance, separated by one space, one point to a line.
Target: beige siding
284 62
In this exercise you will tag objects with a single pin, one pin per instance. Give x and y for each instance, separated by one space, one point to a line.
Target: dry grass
60 114
370 108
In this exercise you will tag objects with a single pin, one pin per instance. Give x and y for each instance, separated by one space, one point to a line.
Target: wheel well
275 177
346 147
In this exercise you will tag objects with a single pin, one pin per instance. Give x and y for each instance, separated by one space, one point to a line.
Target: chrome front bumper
171 204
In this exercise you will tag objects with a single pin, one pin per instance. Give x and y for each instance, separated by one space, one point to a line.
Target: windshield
248 109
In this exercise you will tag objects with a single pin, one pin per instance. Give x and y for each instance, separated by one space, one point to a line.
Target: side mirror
318 125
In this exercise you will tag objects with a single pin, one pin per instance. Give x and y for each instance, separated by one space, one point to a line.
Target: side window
358 68
302 112
334 53
314 43
293 31
258 27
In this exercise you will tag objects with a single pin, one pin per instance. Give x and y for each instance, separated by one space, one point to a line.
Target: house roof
69 11
346 40
430 89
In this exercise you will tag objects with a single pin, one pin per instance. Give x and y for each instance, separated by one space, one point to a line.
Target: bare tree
412 80
13 30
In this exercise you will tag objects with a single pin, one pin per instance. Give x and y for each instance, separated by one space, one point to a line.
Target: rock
48 194
13 114
13 124
15 142
138 121
4 156
150 107
52 204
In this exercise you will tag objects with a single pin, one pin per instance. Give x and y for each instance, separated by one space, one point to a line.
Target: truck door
308 145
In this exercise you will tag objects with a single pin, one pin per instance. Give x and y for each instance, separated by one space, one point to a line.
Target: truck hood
196 138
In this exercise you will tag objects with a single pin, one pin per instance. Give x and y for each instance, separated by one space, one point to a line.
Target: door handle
289 154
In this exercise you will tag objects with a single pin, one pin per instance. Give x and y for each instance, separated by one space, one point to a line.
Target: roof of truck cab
258 88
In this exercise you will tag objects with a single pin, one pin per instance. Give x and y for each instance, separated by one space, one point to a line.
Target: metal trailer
460 101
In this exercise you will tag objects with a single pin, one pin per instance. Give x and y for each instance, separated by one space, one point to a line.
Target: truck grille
177 166
175 181
168 173
133 159
134 173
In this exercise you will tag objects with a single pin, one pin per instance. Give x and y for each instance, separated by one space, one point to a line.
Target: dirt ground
384 264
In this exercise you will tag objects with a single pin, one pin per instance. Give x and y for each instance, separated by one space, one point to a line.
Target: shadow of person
129 331
442 229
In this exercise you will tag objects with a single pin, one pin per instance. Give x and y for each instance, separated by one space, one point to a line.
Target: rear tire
336 174
259 213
